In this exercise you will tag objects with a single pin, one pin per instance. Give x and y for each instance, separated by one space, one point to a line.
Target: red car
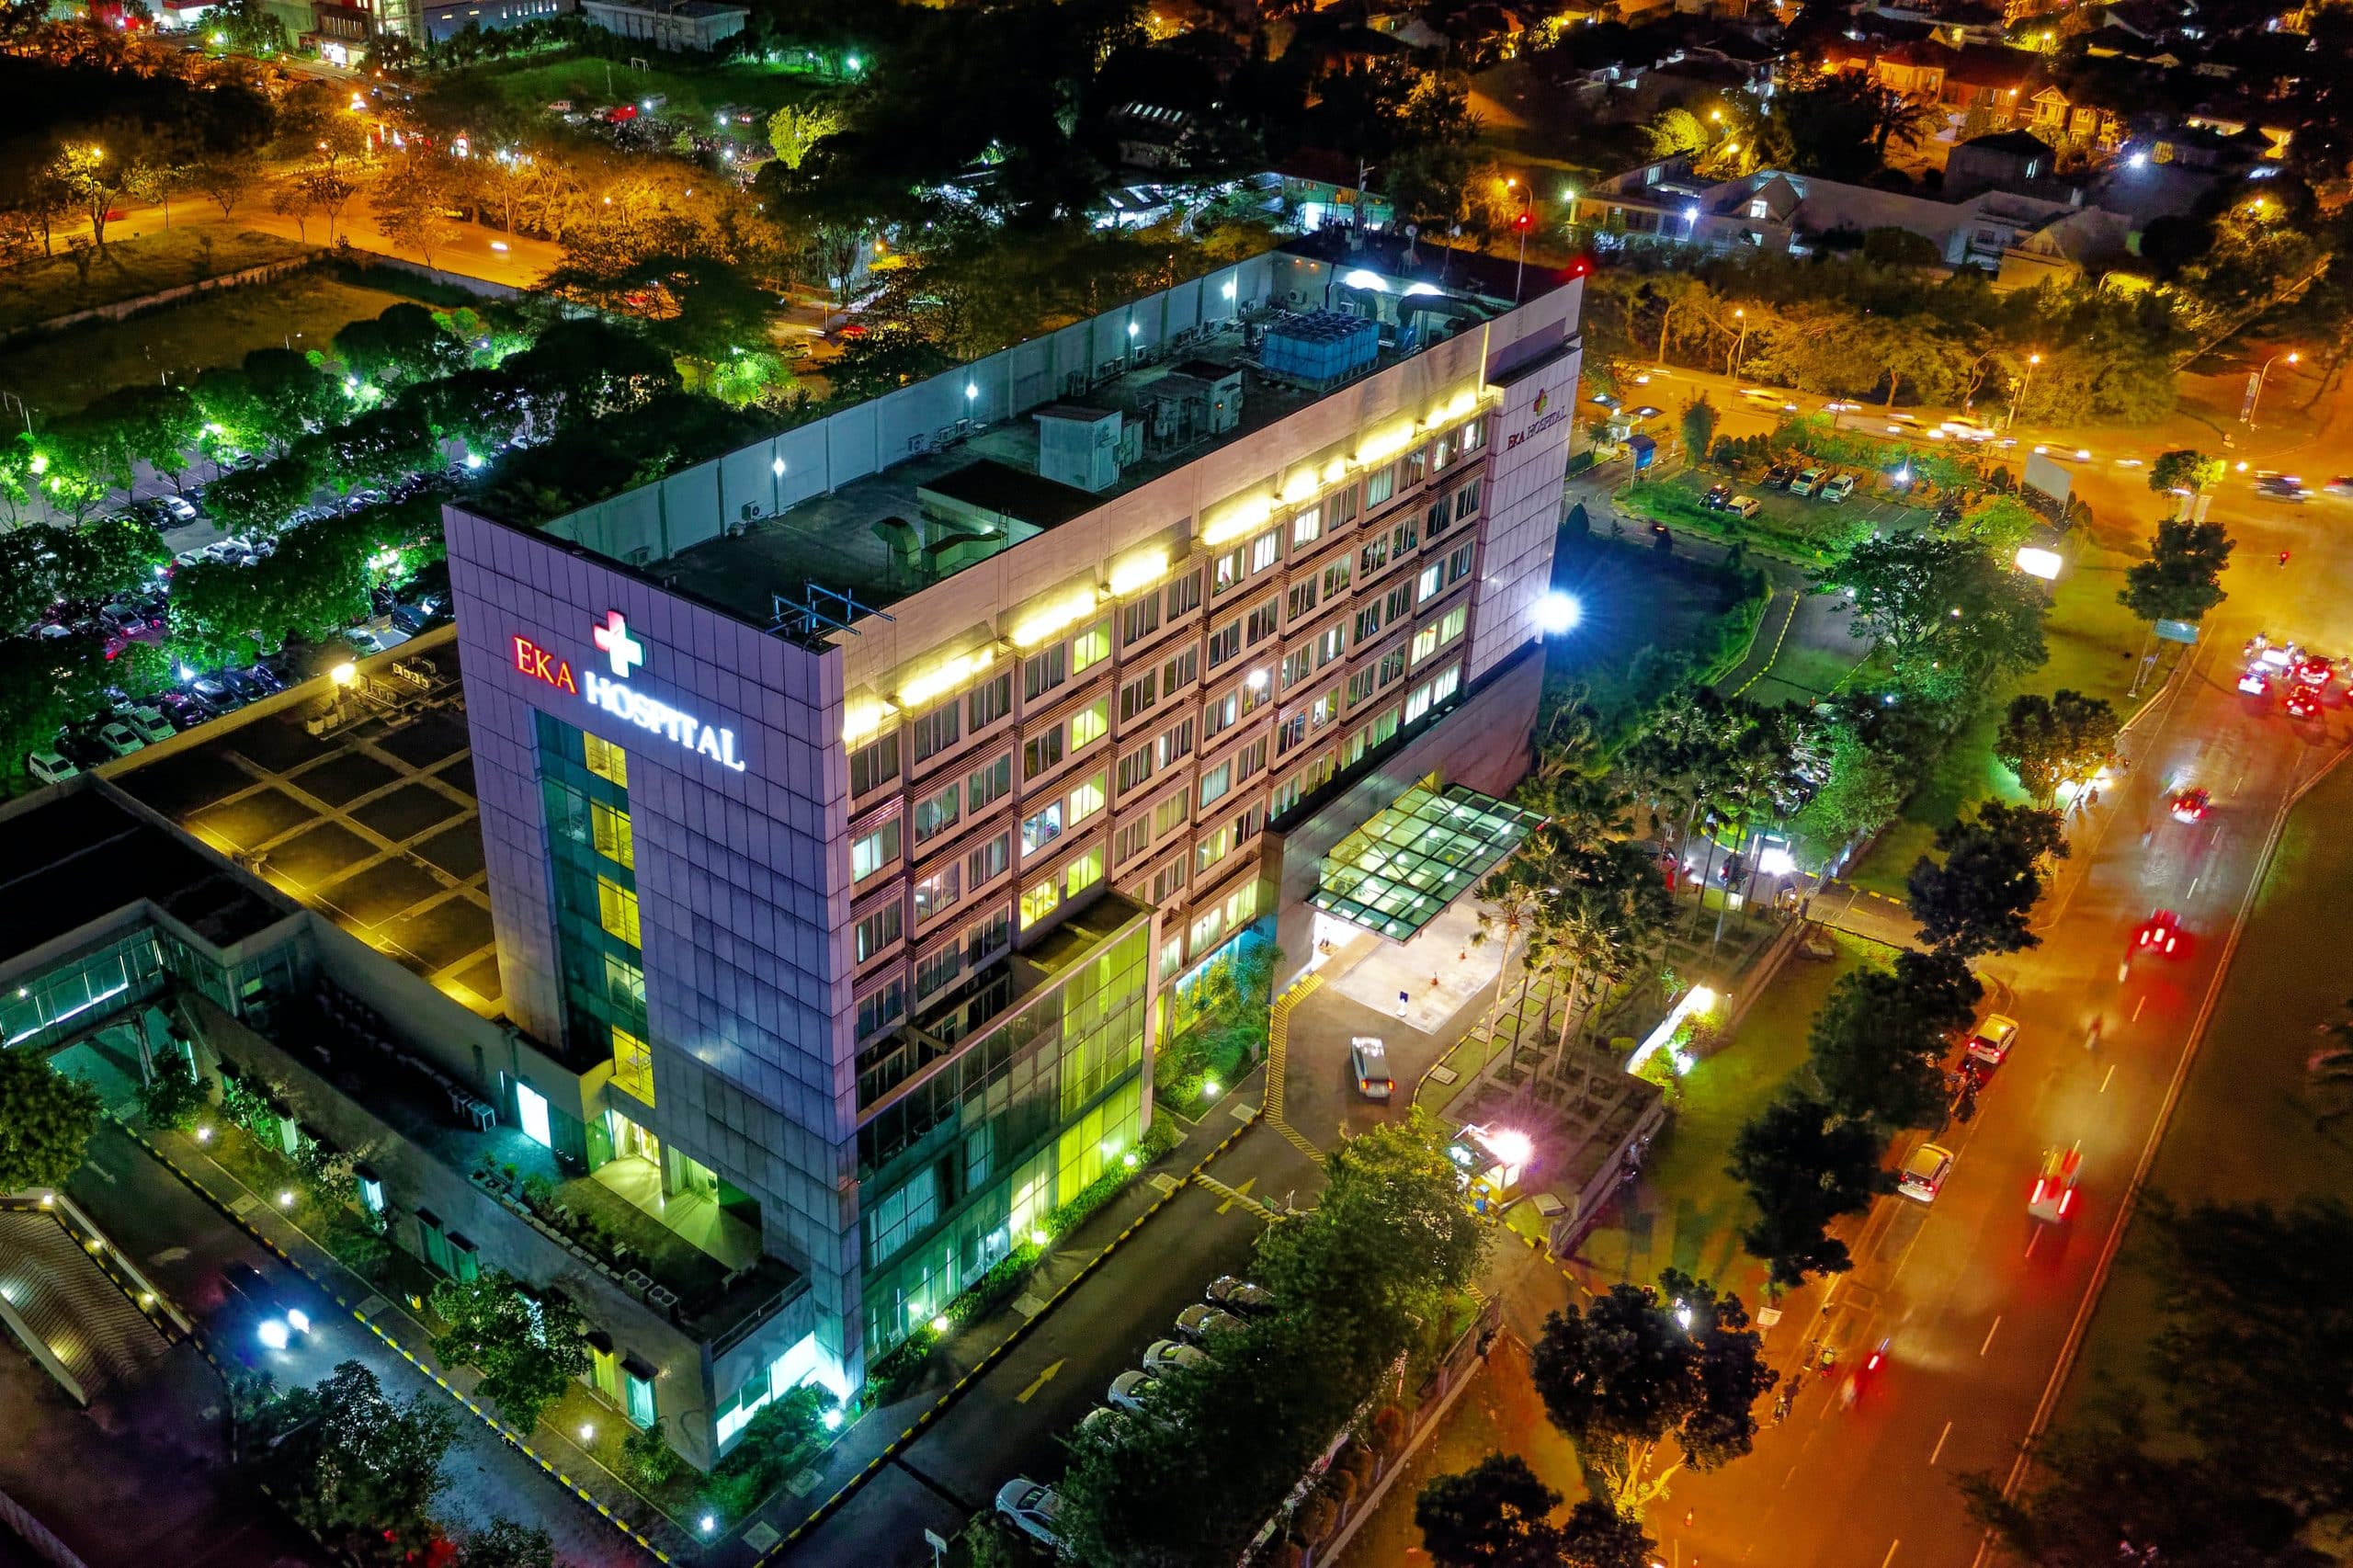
2161 933
2303 702
2190 805
2315 670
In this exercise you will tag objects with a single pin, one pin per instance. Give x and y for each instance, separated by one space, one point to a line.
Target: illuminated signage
1543 421
623 652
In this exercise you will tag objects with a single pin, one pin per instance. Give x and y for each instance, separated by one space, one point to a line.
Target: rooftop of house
77 855
2015 144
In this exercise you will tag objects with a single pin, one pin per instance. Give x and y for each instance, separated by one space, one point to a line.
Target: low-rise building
697 26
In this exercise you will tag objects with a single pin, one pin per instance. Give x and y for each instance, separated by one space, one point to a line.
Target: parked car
243 685
1198 1321
1838 487
1993 1038
1807 483
149 725
412 618
1241 1296
50 767
1717 499
1031 1509
184 712
1778 476
1130 1391
364 641
276 1320
1923 1176
262 675
1165 1356
215 694
1744 506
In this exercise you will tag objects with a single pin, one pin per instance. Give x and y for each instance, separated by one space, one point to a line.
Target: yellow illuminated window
614 840
606 760
1090 722
1086 801
632 1065
616 910
1039 901
1083 872
1090 647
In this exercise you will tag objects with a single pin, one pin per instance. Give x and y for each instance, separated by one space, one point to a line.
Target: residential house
2002 160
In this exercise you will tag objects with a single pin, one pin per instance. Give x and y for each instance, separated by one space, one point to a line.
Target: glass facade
584 784
126 971
1019 1120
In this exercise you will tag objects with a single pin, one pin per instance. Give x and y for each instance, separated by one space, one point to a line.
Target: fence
122 310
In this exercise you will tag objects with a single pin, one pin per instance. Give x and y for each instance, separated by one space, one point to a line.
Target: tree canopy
1977 900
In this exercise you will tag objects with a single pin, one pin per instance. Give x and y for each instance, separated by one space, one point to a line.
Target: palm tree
1515 898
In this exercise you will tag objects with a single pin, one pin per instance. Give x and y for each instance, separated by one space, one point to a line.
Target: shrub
1316 1519
358 1245
170 1097
647 1459
774 1445
1388 1430
1342 1487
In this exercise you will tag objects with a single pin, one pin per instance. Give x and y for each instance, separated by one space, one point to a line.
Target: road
181 1242
1009 1421
1978 1304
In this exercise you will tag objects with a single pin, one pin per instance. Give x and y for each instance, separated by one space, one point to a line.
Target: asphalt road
1010 1421
1978 1304
181 1242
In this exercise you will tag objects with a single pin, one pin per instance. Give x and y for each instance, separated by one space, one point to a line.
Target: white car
149 724
1838 487
1743 507
1166 1354
1200 1322
1807 483
1994 1037
1031 1509
120 739
1368 1064
50 768
1923 1174
1130 1391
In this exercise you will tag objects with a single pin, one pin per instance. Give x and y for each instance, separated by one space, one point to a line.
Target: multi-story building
855 802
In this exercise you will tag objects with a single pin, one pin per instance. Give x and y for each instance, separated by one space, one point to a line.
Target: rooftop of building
74 856
883 499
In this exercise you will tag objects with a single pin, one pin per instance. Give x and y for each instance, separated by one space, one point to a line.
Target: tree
503 1543
1699 427
528 1347
411 204
1494 1515
1804 1166
796 127
1863 787
1997 524
95 176
2056 740
1640 1366
1977 900
1597 1536
46 1119
263 497
327 191
403 343
2182 579
1946 611
352 1461
2184 471
1878 1043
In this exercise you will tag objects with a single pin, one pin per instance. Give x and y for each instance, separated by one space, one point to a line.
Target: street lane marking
1940 1443
1043 1380
1890 1552
2106 1076
1989 1338
1242 1191
2194 882
2033 1236
2137 1005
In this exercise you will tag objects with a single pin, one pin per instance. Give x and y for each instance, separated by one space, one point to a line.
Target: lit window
1089 722
614 840
1087 800
1083 873
1041 829
873 852
606 760
1090 647
1039 901
616 910
632 1065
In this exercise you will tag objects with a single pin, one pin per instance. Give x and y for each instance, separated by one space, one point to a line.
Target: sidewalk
553 1452
973 1345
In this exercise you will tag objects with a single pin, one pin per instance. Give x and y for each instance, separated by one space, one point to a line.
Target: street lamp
2024 382
2256 395
1741 316
1525 221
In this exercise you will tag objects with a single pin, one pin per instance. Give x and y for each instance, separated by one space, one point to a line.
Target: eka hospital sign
623 652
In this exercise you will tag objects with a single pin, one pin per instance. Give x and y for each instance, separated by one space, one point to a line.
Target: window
617 911
1291 732
1133 768
1329 645
1442 451
1374 556
1393 665
1380 486
1303 599
1335 578
1086 799
1176 742
1432 579
1041 672
1226 569
1417 463
937 730
1220 714
1455 620
1458 565
989 860
1474 436
1256 692
615 841
1360 686
1406 538
934 973
876 931
1225 642
1171 951
1298 664
874 764
1264 619
934 893
1041 752
1417 701
1342 507
1368 624
1306 528
1172 813
990 700
1140 619
1139 695
632 1065
1166 883
1215 782
1435 520
1448 681
1083 873
1265 550
1180 672
1090 647
1400 601
1250 760
878 1010
1131 840
988 782
605 760
1041 829
624 982
1212 847
1090 724
1284 796
875 851
1425 642
937 812
986 938
1466 500
1184 594
1039 901
1322 710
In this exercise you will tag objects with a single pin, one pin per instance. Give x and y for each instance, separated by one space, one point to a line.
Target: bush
358 1245
1388 1430
647 1459
1316 1519
169 1099
775 1442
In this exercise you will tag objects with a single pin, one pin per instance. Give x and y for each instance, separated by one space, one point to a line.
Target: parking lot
374 826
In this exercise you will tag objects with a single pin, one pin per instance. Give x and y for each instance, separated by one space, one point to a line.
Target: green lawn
1639 604
2243 1129
1685 1212
61 373
44 288
2092 640
694 92
1789 525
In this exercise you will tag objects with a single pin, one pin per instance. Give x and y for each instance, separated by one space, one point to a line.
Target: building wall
742 883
